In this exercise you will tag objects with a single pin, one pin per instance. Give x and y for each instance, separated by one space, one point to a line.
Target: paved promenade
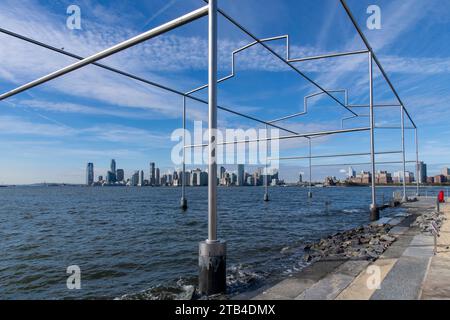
437 280
407 270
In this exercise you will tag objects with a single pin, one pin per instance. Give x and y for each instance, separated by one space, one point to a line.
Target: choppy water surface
137 242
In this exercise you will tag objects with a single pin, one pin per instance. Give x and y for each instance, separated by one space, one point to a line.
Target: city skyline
194 177
395 176
241 177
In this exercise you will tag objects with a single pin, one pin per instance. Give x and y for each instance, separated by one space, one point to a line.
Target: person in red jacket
441 197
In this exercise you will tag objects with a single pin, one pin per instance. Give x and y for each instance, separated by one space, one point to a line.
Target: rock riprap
424 221
366 242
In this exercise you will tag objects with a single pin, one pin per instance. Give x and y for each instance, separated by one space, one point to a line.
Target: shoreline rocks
423 222
365 242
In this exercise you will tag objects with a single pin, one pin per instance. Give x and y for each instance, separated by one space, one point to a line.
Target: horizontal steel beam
395 128
375 105
331 55
305 135
194 15
335 155
320 93
360 163
288 117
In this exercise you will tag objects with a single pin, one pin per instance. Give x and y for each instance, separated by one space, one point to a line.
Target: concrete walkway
407 270
437 281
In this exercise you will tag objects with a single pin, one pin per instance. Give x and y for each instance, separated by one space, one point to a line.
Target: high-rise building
445 172
398 177
152 179
90 174
383 177
233 178
113 166
164 180
222 172
257 176
187 177
120 175
203 178
300 177
135 179
110 177
440 179
351 173
241 175
275 174
195 177
366 177
141 179
157 175
422 172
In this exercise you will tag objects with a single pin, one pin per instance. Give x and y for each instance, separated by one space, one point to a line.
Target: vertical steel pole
310 169
266 178
212 253
416 138
212 99
403 152
374 213
183 203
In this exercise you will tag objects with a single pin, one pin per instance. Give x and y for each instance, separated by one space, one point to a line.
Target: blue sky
91 115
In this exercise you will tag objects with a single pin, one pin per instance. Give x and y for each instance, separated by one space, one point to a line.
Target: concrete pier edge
408 269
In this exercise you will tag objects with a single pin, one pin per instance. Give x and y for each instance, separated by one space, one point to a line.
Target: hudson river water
137 242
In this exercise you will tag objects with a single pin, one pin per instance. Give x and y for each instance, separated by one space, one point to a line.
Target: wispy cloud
127 136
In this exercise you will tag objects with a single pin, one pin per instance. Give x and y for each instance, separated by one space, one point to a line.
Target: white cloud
16 126
125 135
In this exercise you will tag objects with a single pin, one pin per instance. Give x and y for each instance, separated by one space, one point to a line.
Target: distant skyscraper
113 166
157 177
90 174
203 178
445 172
398 177
120 175
351 173
233 178
241 175
110 177
187 177
152 174
195 177
135 179
422 172
300 177
141 178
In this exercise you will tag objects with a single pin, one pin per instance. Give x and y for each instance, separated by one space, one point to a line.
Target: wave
239 279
